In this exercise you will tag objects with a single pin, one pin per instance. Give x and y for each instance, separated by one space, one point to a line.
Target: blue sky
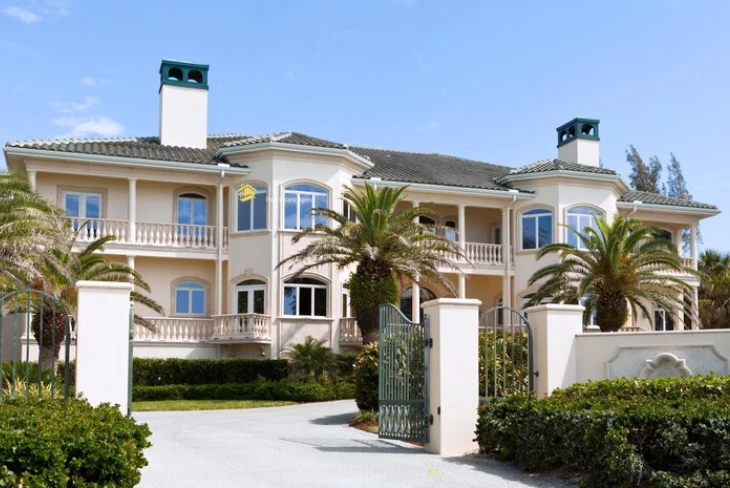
482 79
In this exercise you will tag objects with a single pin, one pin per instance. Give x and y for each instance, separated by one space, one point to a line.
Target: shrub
153 372
48 443
660 437
311 360
512 372
366 378
256 390
346 365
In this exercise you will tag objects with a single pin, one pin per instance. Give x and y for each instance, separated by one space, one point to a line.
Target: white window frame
82 203
582 301
298 194
180 197
250 290
665 314
313 287
260 189
591 219
182 287
451 232
536 217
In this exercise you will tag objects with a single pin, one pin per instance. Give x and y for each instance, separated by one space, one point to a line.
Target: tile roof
287 138
656 199
434 169
558 165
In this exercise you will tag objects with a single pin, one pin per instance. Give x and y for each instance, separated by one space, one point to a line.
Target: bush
512 373
286 390
366 378
346 365
154 372
48 443
660 437
311 360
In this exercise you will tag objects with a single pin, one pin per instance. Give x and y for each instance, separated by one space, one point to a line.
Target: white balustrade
176 235
349 330
687 262
88 230
242 326
171 329
479 253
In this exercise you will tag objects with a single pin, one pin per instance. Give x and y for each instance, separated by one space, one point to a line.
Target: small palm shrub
503 364
366 378
311 361
33 389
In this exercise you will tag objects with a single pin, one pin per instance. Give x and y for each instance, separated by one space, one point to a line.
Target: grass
179 405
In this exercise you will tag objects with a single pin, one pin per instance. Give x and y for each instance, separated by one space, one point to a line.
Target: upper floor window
82 204
189 298
305 297
578 219
348 212
537 229
251 214
192 209
589 318
299 202
428 223
450 230
663 320
663 234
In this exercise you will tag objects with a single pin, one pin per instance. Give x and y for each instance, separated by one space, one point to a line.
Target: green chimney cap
578 129
179 73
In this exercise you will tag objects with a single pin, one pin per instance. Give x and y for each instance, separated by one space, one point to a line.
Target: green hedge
255 390
49 444
620 433
154 372
366 378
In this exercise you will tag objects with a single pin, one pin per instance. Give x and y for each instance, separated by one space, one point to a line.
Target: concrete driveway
302 446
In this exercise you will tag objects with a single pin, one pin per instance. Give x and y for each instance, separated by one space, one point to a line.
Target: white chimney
183 104
578 142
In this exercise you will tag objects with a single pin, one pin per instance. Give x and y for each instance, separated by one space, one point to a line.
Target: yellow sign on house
246 192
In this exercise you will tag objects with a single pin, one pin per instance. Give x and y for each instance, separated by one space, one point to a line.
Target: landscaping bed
667 433
185 405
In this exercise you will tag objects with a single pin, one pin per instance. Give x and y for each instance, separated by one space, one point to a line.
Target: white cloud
76 107
93 82
432 124
89 126
293 73
22 14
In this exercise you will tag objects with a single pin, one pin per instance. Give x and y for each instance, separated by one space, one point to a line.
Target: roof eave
123 161
709 212
282 146
445 188
616 178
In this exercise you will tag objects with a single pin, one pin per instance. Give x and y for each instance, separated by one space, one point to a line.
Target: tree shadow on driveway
357 446
339 419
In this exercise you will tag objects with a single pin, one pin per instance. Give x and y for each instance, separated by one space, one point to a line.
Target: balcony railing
169 329
349 331
242 327
151 234
489 254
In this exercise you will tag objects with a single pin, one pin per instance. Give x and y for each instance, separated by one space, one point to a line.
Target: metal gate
403 377
40 368
506 364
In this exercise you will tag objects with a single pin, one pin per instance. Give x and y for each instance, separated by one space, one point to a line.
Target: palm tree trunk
368 320
49 341
612 310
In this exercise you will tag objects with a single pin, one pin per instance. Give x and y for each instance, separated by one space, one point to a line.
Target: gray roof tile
656 199
558 165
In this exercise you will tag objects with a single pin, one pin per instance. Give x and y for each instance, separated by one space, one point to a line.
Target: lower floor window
589 319
190 298
663 320
305 297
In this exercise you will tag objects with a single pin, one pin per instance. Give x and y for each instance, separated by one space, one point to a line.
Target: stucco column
31 178
462 246
219 242
453 375
506 257
132 212
102 342
693 245
695 309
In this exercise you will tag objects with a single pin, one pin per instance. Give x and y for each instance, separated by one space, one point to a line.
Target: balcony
221 329
149 234
349 334
485 254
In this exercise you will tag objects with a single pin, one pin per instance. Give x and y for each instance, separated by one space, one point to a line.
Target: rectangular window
305 300
252 213
83 205
182 302
537 229
299 204
290 300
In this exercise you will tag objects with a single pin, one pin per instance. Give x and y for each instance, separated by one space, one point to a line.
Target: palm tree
382 244
714 291
60 269
311 360
618 265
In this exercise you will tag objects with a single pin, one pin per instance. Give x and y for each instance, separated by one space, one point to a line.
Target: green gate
25 316
403 376
506 364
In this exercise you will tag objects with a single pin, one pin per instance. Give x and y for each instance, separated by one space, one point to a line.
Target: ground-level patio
305 446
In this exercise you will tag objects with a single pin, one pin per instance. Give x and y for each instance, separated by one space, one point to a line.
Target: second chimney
183 104
578 142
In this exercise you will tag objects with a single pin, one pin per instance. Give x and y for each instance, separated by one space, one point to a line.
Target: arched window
299 202
251 297
190 298
450 231
537 229
192 209
251 213
305 297
578 219
406 301
663 320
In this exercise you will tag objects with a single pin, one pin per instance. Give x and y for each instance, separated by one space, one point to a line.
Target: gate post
453 375
554 327
102 342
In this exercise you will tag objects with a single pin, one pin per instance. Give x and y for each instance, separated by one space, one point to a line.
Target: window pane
200 212
258 301
244 215
320 302
305 301
573 224
545 224
198 302
529 239
659 320
259 211
304 187
184 211
182 301
305 211
290 300
71 204
290 211
93 206
242 301
320 202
